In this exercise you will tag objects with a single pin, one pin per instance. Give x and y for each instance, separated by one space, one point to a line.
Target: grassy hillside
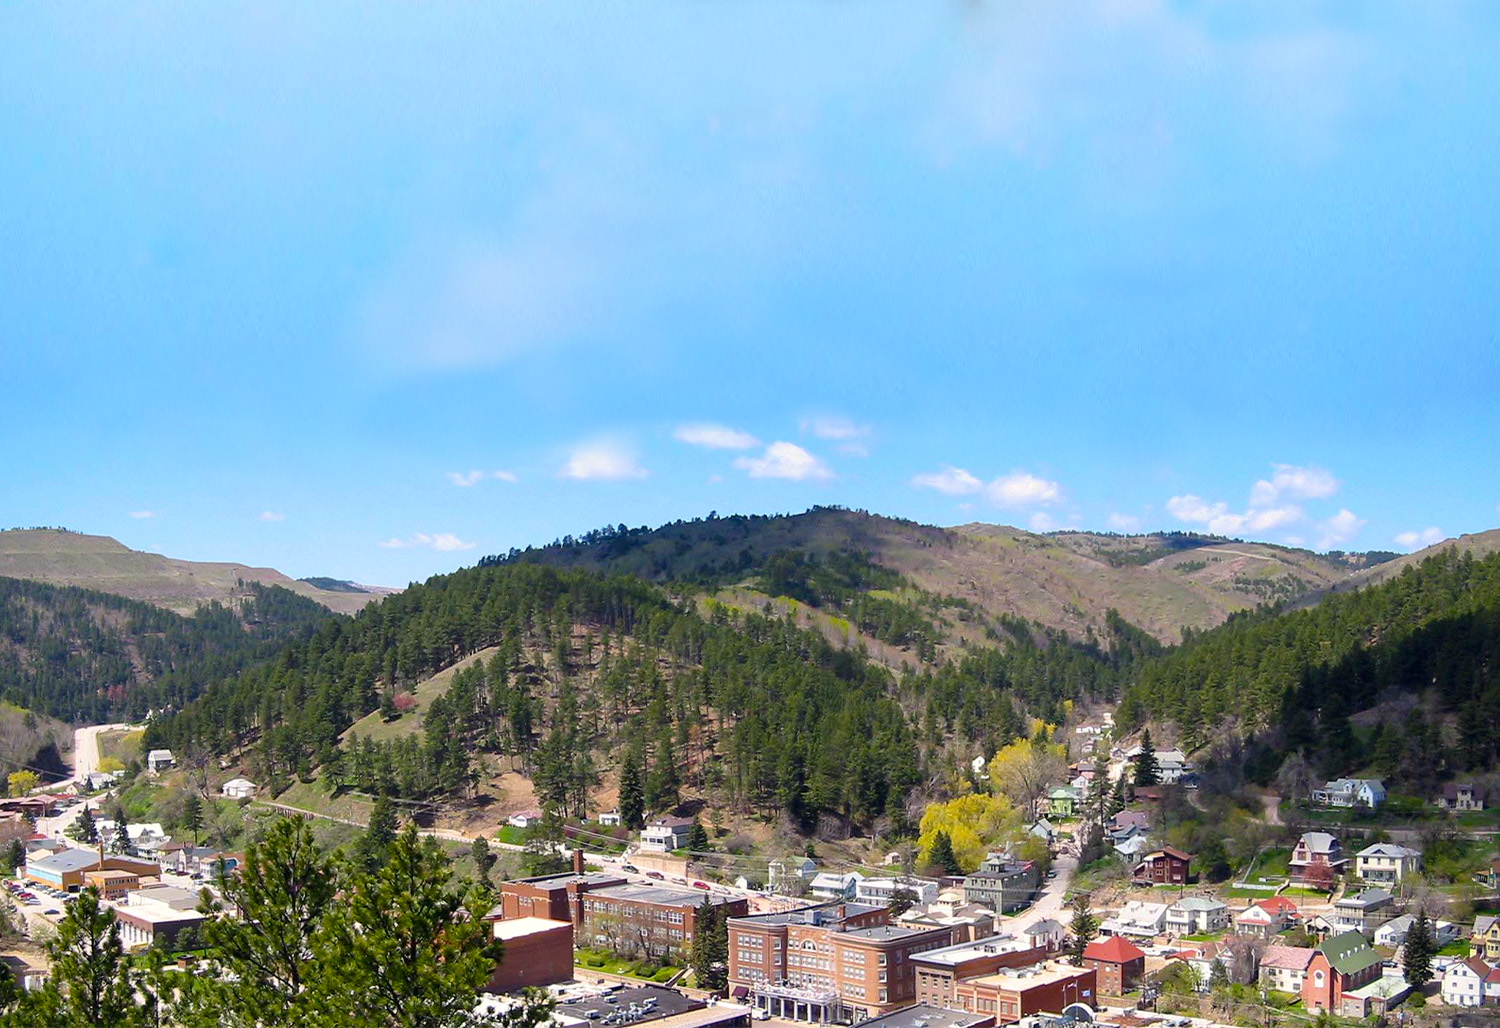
1163 583
98 562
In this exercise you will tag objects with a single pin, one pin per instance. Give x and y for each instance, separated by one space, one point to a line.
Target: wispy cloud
785 460
467 479
142 515
602 460
1295 483
444 541
714 437
1042 521
950 481
1220 520
1023 489
1420 538
1124 522
270 515
851 436
1339 529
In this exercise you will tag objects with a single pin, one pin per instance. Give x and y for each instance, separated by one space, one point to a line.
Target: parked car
655 874
700 885
631 868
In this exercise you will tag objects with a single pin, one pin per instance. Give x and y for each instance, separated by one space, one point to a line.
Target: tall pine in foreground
1417 951
1084 929
632 792
710 946
1146 770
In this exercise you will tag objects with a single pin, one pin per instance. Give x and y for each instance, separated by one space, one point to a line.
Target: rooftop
924 1016
646 1003
1290 958
520 927
830 914
1030 977
1114 950
886 932
661 894
562 881
963 951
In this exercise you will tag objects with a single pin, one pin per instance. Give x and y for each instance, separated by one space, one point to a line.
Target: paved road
1053 902
86 749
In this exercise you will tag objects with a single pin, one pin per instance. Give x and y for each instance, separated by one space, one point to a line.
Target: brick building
1341 965
538 953
1012 994
1120 963
1003 884
1166 866
834 962
940 970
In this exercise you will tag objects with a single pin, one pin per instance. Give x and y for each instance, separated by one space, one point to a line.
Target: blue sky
373 291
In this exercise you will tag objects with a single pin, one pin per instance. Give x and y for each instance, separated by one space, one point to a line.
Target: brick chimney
578 862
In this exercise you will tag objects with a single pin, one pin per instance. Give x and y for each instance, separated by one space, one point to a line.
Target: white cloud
505 476
1042 521
602 460
784 460
141 515
465 479
1339 529
950 481
270 515
1292 482
1023 489
1193 508
1124 522
839 429
1416 540
444 541
1275 517
714 437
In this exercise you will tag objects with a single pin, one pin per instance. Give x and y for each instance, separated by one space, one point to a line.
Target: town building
940 970
111 884
1134 846
833 962
830 885
1120 964
1393 933
1046 933
1003 884
159 760
651 1005
1342 964
1461 796
923 1016
159 917
883 890
238 789
666 834
1137 918
1197 915
524 819
1267 918
538 952
1386 863
1363 912
1463 982
1165 866
1350 792
1063 801
1484 941
1014 993
65 869
790 876
609 819
966 921
1284 968
1314 852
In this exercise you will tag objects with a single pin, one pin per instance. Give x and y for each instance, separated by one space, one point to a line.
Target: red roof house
1119 962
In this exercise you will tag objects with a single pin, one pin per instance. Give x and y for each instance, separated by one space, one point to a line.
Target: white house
1197 915
666 833
1284 968
1463 982
524 818
1350 792
238 789
779 872
1386 863
159 760
1134 846
1137 918
1046 932
880 891
102 780
1393 933
610 819
829 885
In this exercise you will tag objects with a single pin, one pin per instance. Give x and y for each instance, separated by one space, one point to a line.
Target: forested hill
1066 581
1419 655
93 657
583 674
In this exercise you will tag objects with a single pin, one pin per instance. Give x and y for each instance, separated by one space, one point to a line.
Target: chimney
578 862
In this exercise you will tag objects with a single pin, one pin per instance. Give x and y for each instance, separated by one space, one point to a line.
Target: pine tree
121 840
1146 770
89 971
697 840
632 798
1417 951
710 946
483 861
942 854
1084 929
371 848
192 815
1218 975
84 829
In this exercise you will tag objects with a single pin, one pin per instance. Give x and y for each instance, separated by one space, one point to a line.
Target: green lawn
512 835
121 746
613 963
1458 948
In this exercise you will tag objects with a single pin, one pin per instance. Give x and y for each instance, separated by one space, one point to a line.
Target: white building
666 833
238 789
829 885
1351 792
1463 982
159 760
880 891
1386 863
1197 915
1393 933
524 818
610 819
1137 918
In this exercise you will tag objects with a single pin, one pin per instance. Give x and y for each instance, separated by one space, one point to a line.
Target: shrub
405 702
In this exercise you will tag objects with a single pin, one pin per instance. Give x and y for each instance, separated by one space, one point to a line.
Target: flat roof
990 946
1031 977
156 913
663 895
924 1016
519 927
562 881
66 860
814 914
110 873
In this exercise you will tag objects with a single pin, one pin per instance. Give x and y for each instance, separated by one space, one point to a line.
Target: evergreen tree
371 848
121 840
710 946
192 815
943 856
15 856
1218 975
84 829
1084 929
483 861
401 949
92 979
632 796
544 846
697 839
1418 950
1146 770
